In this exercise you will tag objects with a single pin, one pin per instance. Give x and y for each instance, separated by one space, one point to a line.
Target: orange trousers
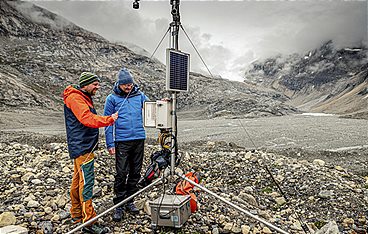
81 189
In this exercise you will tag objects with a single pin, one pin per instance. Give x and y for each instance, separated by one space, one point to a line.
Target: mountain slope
41 53
325 80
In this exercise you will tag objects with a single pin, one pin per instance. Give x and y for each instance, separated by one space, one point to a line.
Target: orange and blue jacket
82 122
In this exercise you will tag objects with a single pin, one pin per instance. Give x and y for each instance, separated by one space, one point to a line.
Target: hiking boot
95 229
118 214
132 208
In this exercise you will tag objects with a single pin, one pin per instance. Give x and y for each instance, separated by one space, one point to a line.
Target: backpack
183 187
159 161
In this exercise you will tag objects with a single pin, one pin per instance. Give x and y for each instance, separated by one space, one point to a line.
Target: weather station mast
174 27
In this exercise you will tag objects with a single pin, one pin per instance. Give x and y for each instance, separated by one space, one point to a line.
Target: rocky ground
317 185
36 174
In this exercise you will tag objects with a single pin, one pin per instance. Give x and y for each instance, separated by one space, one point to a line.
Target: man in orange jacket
82 123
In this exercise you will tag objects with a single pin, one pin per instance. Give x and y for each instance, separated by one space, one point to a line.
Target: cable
304 227
163 195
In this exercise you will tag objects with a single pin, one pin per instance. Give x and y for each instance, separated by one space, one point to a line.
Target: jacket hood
71 89
118 91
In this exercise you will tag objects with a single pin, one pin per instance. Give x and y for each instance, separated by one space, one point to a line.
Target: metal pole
233 205
115 206
175 25
174 134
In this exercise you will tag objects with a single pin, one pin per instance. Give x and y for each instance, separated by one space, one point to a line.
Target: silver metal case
170 210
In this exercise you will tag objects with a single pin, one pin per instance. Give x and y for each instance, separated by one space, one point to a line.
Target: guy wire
304 227
196 50
160 42
158 45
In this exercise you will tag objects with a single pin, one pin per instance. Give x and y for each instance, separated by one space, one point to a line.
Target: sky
229 35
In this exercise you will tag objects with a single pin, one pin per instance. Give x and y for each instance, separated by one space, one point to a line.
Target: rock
97 191
60 201
50 181
248 189
339 168
248 155
245 229
236 229
12 229
29 198
140 203
36 181
328 194
222 218
228 227
248 198
26 177
266 230
256 230
7 218
33 204
264 214
147 208
211 144
296 226
319 162
66 170
46 227
64 214
348 222
280 201
55 217
330 228
28 214
48 210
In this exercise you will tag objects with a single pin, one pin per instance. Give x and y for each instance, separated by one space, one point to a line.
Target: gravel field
319 161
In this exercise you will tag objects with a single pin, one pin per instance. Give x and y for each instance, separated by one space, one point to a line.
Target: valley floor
339 141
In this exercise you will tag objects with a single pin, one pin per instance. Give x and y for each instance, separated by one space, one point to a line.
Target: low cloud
226 42
40 16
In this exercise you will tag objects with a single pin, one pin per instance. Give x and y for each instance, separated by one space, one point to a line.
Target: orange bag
186 188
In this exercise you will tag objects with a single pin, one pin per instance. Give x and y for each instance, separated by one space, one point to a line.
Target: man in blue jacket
126 139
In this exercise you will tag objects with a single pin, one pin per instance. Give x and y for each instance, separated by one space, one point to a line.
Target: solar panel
177 70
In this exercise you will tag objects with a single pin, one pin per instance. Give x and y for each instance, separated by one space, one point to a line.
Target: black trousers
128 164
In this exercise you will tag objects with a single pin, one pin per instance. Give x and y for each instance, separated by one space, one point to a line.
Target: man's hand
111 151
115 116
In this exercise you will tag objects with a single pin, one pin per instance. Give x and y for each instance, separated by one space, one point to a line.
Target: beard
93 92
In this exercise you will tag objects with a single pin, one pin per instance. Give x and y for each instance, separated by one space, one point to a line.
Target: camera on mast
136 4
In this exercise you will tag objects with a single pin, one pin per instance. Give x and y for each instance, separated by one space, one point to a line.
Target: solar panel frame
177 71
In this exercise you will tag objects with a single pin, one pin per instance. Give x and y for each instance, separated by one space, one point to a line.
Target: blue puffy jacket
129 125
